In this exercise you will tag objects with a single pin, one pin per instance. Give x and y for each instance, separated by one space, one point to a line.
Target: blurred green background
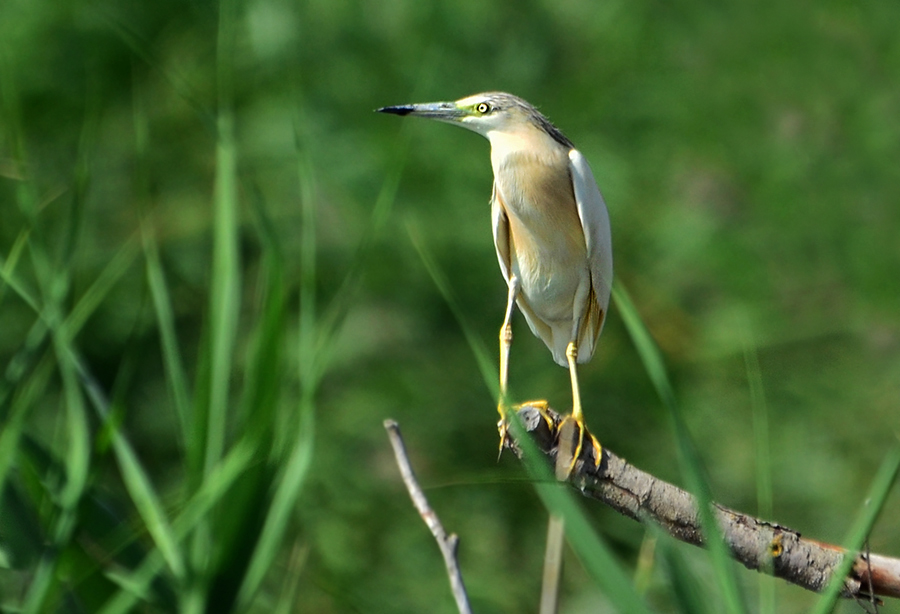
748 154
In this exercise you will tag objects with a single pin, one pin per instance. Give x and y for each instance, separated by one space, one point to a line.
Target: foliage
210 298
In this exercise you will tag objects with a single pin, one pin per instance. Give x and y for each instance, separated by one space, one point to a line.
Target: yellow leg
570 445
571 357
505 344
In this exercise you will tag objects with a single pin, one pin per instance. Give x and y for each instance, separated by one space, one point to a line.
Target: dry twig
447 543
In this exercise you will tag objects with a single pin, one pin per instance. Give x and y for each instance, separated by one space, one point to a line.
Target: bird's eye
483 107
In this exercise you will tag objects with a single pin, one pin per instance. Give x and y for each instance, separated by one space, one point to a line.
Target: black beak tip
399 110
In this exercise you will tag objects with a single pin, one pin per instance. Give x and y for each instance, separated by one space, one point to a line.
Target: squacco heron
551 231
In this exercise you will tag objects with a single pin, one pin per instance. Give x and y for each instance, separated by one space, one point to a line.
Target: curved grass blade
11 428
176 376
596 557
689 595
225 285
8 264
872 505
486 365
691 465
337 310
297 459
135 586
88 303
137 482
77 465
763 460
224 291
291 483
591 550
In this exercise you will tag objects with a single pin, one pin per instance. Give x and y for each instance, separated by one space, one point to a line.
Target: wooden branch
757 544
447 543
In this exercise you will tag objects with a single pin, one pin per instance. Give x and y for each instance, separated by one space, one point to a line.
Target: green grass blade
593 553
176 377
212 392
872 505
290 485
22 362
8 264
54 288
68 242
10 431
763 460
145 50
195 512
688 594
648 351
137 481
55 285
263 379
11 109
487 366
337 310
687 453
287 598
41 584
77 465
295 471
11 428
308 320
596 557
92 298
224 300
238 533
225 284
147 503
239 458
89 301
760 431
9 279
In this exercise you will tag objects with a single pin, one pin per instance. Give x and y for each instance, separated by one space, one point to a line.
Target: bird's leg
571 357
570 444
505 343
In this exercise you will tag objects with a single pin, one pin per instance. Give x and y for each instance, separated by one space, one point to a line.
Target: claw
571 435
543 409
503 425
503 429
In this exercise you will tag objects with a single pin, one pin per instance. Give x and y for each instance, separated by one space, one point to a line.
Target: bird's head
487 114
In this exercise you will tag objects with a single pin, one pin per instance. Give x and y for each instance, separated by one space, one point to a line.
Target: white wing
501 234
595 222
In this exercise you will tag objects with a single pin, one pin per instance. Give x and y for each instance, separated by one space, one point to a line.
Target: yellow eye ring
483 107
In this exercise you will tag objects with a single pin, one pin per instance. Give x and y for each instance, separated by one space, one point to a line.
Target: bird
552 235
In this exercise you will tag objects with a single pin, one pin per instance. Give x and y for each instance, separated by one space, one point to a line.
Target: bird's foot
571 435
503 426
